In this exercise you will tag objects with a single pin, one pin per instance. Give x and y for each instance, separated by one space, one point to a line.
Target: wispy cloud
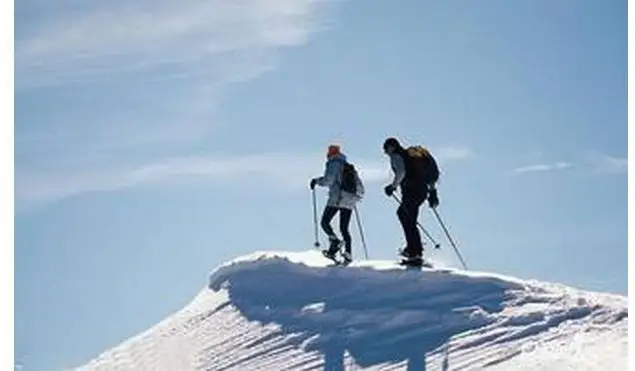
153 71
218 39
543 167
594 162
609 164
454 153
144 78
282 171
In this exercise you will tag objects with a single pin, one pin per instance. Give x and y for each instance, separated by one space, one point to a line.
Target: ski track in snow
289 311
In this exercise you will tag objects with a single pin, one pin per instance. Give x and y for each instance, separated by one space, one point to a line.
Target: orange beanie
333 150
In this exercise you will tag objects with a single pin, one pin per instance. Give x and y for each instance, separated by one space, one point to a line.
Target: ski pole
456 249
436 244
361 232
315 223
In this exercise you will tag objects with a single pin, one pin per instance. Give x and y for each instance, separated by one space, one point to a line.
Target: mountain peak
290 310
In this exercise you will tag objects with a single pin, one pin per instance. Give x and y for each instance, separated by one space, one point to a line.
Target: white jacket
332 179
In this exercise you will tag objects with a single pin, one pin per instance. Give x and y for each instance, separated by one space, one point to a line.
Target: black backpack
349 178
425 170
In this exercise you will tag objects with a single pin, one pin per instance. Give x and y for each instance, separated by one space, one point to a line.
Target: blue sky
156 140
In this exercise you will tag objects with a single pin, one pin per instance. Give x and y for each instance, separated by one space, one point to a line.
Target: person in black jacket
416 186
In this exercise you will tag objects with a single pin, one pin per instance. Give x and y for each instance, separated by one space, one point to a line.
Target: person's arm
399 168
330 175
360 187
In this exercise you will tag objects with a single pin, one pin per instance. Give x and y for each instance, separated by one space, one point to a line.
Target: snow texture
291 311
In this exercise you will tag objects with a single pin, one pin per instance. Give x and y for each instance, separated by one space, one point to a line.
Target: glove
313 183
389 189
433 199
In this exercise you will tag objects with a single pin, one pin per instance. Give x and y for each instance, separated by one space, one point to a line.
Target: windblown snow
292 311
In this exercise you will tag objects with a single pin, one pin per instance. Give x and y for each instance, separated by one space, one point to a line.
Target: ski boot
346 258
404 251
414 261
333 249
410 259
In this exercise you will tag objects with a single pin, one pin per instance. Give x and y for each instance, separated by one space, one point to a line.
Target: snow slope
290 311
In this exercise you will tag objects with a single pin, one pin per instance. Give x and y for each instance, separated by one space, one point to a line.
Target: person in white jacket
344 193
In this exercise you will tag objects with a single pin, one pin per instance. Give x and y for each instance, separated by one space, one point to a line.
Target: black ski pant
408 212
345 219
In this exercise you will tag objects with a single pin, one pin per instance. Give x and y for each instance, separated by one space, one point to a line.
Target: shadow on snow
378 316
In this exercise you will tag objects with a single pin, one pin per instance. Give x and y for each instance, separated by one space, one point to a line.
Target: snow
292 311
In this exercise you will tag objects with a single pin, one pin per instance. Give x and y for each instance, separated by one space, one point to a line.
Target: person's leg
345 220
327 216
408 212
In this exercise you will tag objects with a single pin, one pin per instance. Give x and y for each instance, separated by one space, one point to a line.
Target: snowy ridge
290 311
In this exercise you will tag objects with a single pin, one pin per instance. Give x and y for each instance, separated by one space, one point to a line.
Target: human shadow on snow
378 316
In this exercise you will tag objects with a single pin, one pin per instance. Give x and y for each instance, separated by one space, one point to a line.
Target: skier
416 171
345 190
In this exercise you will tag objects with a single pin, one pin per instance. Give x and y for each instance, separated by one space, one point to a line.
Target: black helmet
391 142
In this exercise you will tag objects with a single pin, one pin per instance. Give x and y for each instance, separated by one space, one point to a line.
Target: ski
419 263
336 261
331 257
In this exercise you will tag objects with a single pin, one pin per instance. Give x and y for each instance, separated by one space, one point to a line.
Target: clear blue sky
156 140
